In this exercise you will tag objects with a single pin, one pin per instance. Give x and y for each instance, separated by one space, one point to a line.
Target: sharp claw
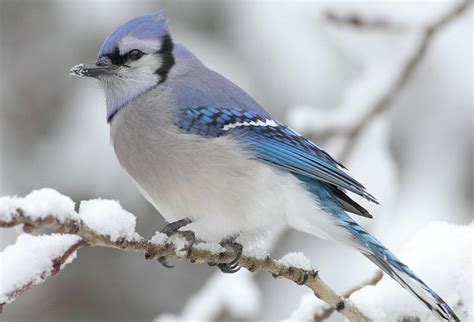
233 266
190 238
226 268
171 229
164 261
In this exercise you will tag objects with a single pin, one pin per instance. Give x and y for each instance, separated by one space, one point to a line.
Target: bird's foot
172 229
190 238
164 261
233 266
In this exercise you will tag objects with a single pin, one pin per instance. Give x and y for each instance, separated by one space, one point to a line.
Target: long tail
355 235
390 264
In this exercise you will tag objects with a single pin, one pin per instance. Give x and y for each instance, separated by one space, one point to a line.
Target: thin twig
327 312
407 70
384 103
355 21
57 266
385 99
153 250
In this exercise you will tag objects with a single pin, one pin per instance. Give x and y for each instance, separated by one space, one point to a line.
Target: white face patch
148 46
130 81
251 123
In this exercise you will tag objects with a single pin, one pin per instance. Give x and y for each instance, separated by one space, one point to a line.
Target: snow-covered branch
34 259
363 104
104 223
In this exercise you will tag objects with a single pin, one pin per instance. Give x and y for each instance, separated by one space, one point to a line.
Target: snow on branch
373 94
105 223
31 260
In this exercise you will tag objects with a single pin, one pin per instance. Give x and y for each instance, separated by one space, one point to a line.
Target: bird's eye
135 54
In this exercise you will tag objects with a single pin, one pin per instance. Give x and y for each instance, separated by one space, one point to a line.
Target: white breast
211 180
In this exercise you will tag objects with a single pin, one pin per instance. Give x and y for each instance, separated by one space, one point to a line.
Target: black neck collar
166 53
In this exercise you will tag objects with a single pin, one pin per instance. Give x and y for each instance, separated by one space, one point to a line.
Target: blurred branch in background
355 21
379 102
104 223
328 311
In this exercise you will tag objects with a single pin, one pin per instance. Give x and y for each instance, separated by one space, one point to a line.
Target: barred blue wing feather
272 142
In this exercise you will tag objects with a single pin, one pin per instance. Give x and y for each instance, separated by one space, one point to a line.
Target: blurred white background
416 158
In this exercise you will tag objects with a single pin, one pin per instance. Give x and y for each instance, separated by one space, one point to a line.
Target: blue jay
205 154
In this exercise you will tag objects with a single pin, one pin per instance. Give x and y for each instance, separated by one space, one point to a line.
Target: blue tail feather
390 264
379 254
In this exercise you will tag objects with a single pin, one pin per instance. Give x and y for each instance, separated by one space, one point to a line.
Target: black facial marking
116 58
166 53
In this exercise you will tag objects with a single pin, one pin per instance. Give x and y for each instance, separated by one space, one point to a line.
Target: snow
211 247
107 217
30 261
77 70
236 294
309 306
255 252
296 259
104 216
39 204
441 255
8 207
159 238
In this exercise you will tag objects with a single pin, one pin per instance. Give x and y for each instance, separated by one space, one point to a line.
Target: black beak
93 70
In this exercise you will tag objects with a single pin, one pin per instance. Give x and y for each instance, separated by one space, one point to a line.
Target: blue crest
151 25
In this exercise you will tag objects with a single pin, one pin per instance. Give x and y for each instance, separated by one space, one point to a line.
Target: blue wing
272 142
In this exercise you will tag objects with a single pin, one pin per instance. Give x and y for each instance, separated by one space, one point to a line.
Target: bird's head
133 59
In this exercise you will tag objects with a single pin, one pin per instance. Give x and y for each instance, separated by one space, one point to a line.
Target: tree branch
328 311
380 101
385 100
168 249
355 21
58 264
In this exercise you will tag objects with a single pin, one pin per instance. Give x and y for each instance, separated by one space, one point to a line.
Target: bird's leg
233 266
172 229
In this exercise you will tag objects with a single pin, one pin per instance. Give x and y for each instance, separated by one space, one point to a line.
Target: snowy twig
62 250
356 21
381 101
406 71
328 311
159 246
